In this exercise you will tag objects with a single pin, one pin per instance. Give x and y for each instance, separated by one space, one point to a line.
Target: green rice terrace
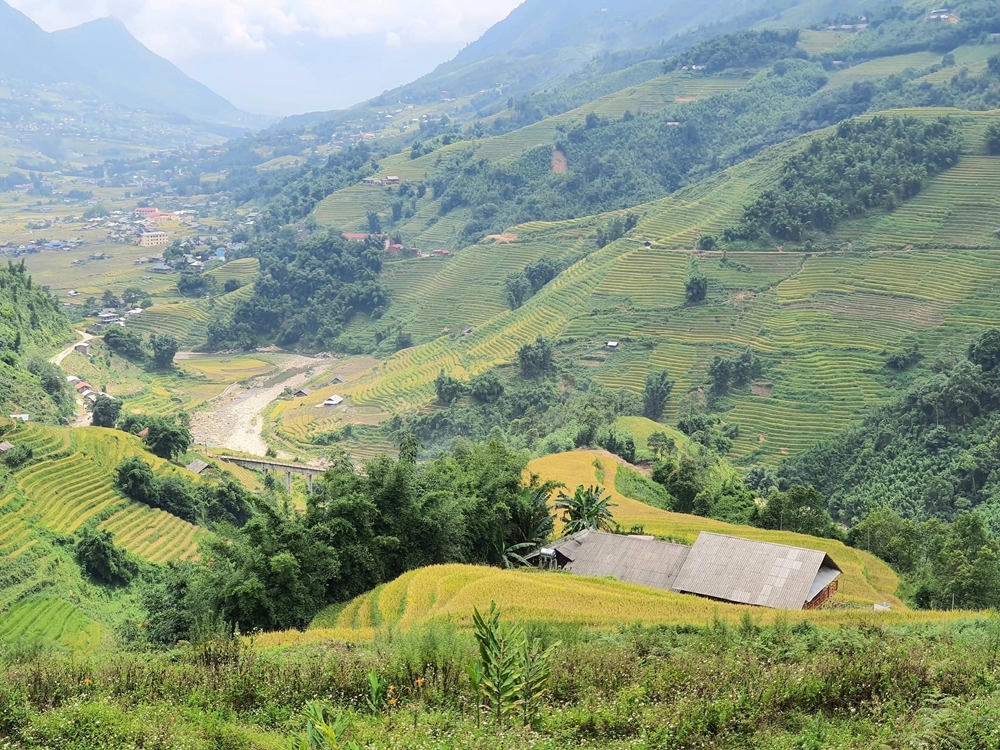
824 318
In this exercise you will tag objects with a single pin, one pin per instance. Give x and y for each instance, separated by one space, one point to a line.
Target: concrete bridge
259 464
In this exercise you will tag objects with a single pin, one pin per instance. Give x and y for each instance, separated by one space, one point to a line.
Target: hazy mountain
543 40
110 64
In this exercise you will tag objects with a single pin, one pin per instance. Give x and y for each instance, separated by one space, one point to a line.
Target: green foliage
309 288
740 49
101 560
204 504
587 508
655 395
943 564
18 457
519 287
127 343
448 389
622 445
167 438
866 166
734 371
361 529
164 348
192 284
535 358
324 730
800 509
615 229
696 288
993 138
513 671
930 453
106 411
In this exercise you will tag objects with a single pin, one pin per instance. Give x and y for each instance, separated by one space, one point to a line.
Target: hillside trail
84 337
234 420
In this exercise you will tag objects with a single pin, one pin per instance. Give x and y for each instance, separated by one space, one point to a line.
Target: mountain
544 40
110 64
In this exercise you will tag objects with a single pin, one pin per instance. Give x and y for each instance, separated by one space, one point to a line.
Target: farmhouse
719 567
162 268
334 401
83 348
6 447
613 346
303 392
354 236
197 466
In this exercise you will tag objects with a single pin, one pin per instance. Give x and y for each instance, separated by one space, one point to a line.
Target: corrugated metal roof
631 559
197 466
758 573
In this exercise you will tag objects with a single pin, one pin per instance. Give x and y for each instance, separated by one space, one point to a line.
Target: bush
102 560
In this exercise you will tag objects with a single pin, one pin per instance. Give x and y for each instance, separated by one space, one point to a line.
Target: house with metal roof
720 567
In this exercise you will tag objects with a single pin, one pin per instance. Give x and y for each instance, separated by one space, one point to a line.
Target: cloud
179 29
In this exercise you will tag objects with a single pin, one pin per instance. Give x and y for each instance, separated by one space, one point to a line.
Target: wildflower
88 681
419 682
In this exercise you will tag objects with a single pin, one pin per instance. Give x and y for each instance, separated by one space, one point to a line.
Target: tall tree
657 392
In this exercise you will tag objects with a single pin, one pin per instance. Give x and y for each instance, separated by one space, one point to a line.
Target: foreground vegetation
720 685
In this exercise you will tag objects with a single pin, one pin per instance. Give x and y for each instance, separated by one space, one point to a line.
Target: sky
286 56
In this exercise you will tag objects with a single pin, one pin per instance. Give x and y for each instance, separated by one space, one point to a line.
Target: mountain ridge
104 57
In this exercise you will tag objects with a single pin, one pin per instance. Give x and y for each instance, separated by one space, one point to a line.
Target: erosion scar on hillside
235 419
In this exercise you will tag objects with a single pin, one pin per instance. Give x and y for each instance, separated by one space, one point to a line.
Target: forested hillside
31 325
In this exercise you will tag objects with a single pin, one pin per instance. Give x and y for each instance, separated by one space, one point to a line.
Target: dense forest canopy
865 166
930 454
309 288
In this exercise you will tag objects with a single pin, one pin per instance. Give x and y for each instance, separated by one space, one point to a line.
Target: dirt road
58 359
235 419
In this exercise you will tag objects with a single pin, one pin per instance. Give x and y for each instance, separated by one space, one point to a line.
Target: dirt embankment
235 419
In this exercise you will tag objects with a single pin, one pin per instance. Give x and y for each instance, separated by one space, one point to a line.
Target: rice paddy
50 621
73 485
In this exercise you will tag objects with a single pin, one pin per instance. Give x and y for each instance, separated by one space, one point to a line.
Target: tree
164 348
517 290
231 285
108 299
535 358
134 478
696 288
683 481
586 509
707 242
801 509
101 560
106 411
127 343
661 445
448 389
657 392
167 438
374 223
720 371
487 388
541 272
985 350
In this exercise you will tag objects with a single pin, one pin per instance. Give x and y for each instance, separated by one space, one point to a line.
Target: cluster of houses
332 401
108 317
945 15
390 181
394 248
85 389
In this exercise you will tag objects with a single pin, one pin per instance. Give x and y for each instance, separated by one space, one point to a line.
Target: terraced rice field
62 494
153 534
50 621
817 42
188 321
243 270
883 67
